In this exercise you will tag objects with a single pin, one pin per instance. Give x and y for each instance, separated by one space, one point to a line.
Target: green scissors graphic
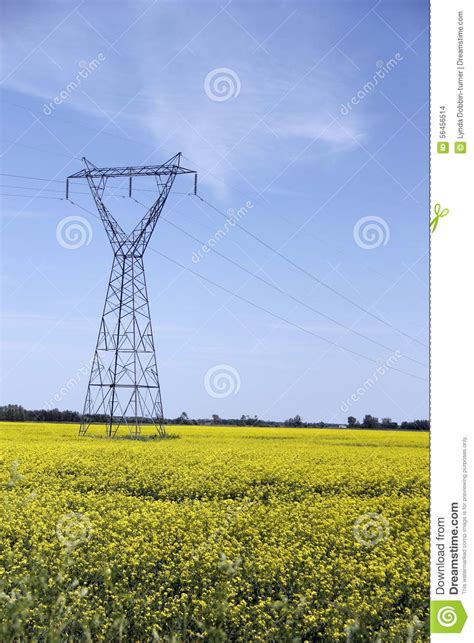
438 215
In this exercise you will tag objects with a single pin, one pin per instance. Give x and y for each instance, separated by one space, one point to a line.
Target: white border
452 270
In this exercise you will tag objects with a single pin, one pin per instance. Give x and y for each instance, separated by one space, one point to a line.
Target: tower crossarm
136 242
171 166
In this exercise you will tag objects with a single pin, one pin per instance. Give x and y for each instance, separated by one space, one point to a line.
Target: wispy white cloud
328 131
277 113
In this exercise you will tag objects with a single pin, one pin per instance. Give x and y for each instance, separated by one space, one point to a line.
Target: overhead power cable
33 178
38 178
223 288
285 292
310 274
283 319
38 196
263 243
267 311
29 187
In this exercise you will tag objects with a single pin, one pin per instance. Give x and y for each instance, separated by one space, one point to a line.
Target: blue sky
280 141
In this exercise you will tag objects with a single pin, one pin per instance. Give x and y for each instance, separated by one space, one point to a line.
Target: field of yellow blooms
226 534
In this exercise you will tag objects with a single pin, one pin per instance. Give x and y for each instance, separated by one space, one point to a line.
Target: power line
28 196
283 319
311 275
259 195
260 279
285 292
37 178
414 339
266 310
29 187
33 178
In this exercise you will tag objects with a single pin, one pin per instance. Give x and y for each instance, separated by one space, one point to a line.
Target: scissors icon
438 215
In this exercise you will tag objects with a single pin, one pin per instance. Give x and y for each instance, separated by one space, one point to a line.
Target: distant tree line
16 413
372 422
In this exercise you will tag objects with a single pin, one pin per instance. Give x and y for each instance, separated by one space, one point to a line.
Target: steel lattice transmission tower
123 387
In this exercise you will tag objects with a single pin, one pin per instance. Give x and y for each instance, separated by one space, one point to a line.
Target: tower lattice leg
124 388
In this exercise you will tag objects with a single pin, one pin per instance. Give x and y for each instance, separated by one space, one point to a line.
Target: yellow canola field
226 534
